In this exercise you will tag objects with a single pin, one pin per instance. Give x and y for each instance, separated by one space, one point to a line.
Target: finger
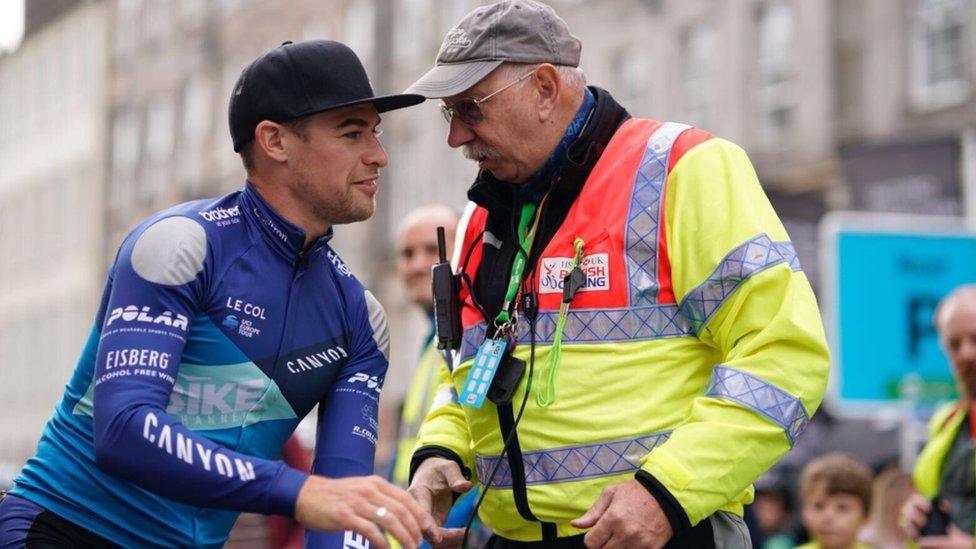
395 527
617 542
933 542
453 478
405 516
396 520
450 538
370 530
421 514
598 536
595 511
424 496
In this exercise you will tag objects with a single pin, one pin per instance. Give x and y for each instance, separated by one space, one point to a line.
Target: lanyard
525 236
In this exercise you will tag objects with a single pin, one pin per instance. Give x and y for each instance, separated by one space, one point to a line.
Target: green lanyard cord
546 394
525 237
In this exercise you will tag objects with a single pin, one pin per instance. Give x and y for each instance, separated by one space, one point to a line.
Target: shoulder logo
456 38
222 216
338 264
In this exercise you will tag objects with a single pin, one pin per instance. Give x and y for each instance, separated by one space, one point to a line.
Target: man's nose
459 133
376 155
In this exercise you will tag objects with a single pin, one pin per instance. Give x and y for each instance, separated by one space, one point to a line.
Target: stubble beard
340 208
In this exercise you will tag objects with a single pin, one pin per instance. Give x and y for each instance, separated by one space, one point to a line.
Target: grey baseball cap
518 31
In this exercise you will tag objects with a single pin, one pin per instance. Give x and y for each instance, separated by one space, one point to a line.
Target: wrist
285 491
669 505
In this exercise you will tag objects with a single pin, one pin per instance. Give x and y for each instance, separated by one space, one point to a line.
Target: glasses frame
450 111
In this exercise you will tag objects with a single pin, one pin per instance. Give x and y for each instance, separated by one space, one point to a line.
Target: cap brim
383 104
451 79
392 102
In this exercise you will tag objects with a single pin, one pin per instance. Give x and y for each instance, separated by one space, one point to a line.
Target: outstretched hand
434 484
365 505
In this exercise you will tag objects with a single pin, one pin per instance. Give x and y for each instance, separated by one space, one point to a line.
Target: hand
914 515
625 515
954 539
352 504
434 484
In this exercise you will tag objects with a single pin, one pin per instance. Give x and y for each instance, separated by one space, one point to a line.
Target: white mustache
478 151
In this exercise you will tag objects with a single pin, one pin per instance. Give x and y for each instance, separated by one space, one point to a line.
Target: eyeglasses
469 110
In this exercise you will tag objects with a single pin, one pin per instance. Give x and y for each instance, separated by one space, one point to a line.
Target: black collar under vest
503 203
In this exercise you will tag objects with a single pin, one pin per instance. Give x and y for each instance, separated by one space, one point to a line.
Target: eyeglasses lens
466 110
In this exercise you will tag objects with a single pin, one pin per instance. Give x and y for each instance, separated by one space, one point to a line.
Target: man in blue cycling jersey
223 323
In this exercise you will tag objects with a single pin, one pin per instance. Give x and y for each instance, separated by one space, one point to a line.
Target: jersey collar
281 234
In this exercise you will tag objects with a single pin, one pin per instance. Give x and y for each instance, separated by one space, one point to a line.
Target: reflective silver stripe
762 396
645 213
593 326
756 255
573 462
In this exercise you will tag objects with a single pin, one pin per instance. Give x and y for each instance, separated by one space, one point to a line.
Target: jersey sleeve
347 420
157 286
738 282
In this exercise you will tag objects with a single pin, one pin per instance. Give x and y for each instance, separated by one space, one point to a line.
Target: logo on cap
456 38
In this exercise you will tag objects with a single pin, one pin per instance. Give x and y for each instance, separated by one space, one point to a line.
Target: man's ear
270 138
547 86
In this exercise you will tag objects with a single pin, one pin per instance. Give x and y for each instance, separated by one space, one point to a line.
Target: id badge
482 372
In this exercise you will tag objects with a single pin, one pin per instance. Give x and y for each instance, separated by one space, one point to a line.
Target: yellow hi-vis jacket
943 429
424 386
695 351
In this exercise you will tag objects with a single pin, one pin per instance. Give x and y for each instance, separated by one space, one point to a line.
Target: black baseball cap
299 79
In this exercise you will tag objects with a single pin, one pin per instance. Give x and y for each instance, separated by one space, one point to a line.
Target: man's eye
353 135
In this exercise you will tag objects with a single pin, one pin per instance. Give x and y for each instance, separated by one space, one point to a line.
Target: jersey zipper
297 271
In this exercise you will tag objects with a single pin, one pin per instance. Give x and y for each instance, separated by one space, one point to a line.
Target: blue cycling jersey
216 334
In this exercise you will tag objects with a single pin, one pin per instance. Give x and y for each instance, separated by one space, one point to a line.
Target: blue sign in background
888 286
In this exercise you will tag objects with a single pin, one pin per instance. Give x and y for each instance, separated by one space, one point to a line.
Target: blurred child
774 515
836 492
891 488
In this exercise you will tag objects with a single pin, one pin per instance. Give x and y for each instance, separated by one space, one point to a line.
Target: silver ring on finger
380 514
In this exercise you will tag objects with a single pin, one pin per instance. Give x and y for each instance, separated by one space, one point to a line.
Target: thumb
595 512
454 479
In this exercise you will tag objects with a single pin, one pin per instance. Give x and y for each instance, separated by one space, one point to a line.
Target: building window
939 56
630 71
359 29
197 110
697 78
775 55
412 24
160 122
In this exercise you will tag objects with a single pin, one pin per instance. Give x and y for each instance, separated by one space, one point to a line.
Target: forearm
151 449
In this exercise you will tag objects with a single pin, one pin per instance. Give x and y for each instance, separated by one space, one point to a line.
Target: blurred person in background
889 491
223 323
836 494
945 472
416 254
668 348
773 508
